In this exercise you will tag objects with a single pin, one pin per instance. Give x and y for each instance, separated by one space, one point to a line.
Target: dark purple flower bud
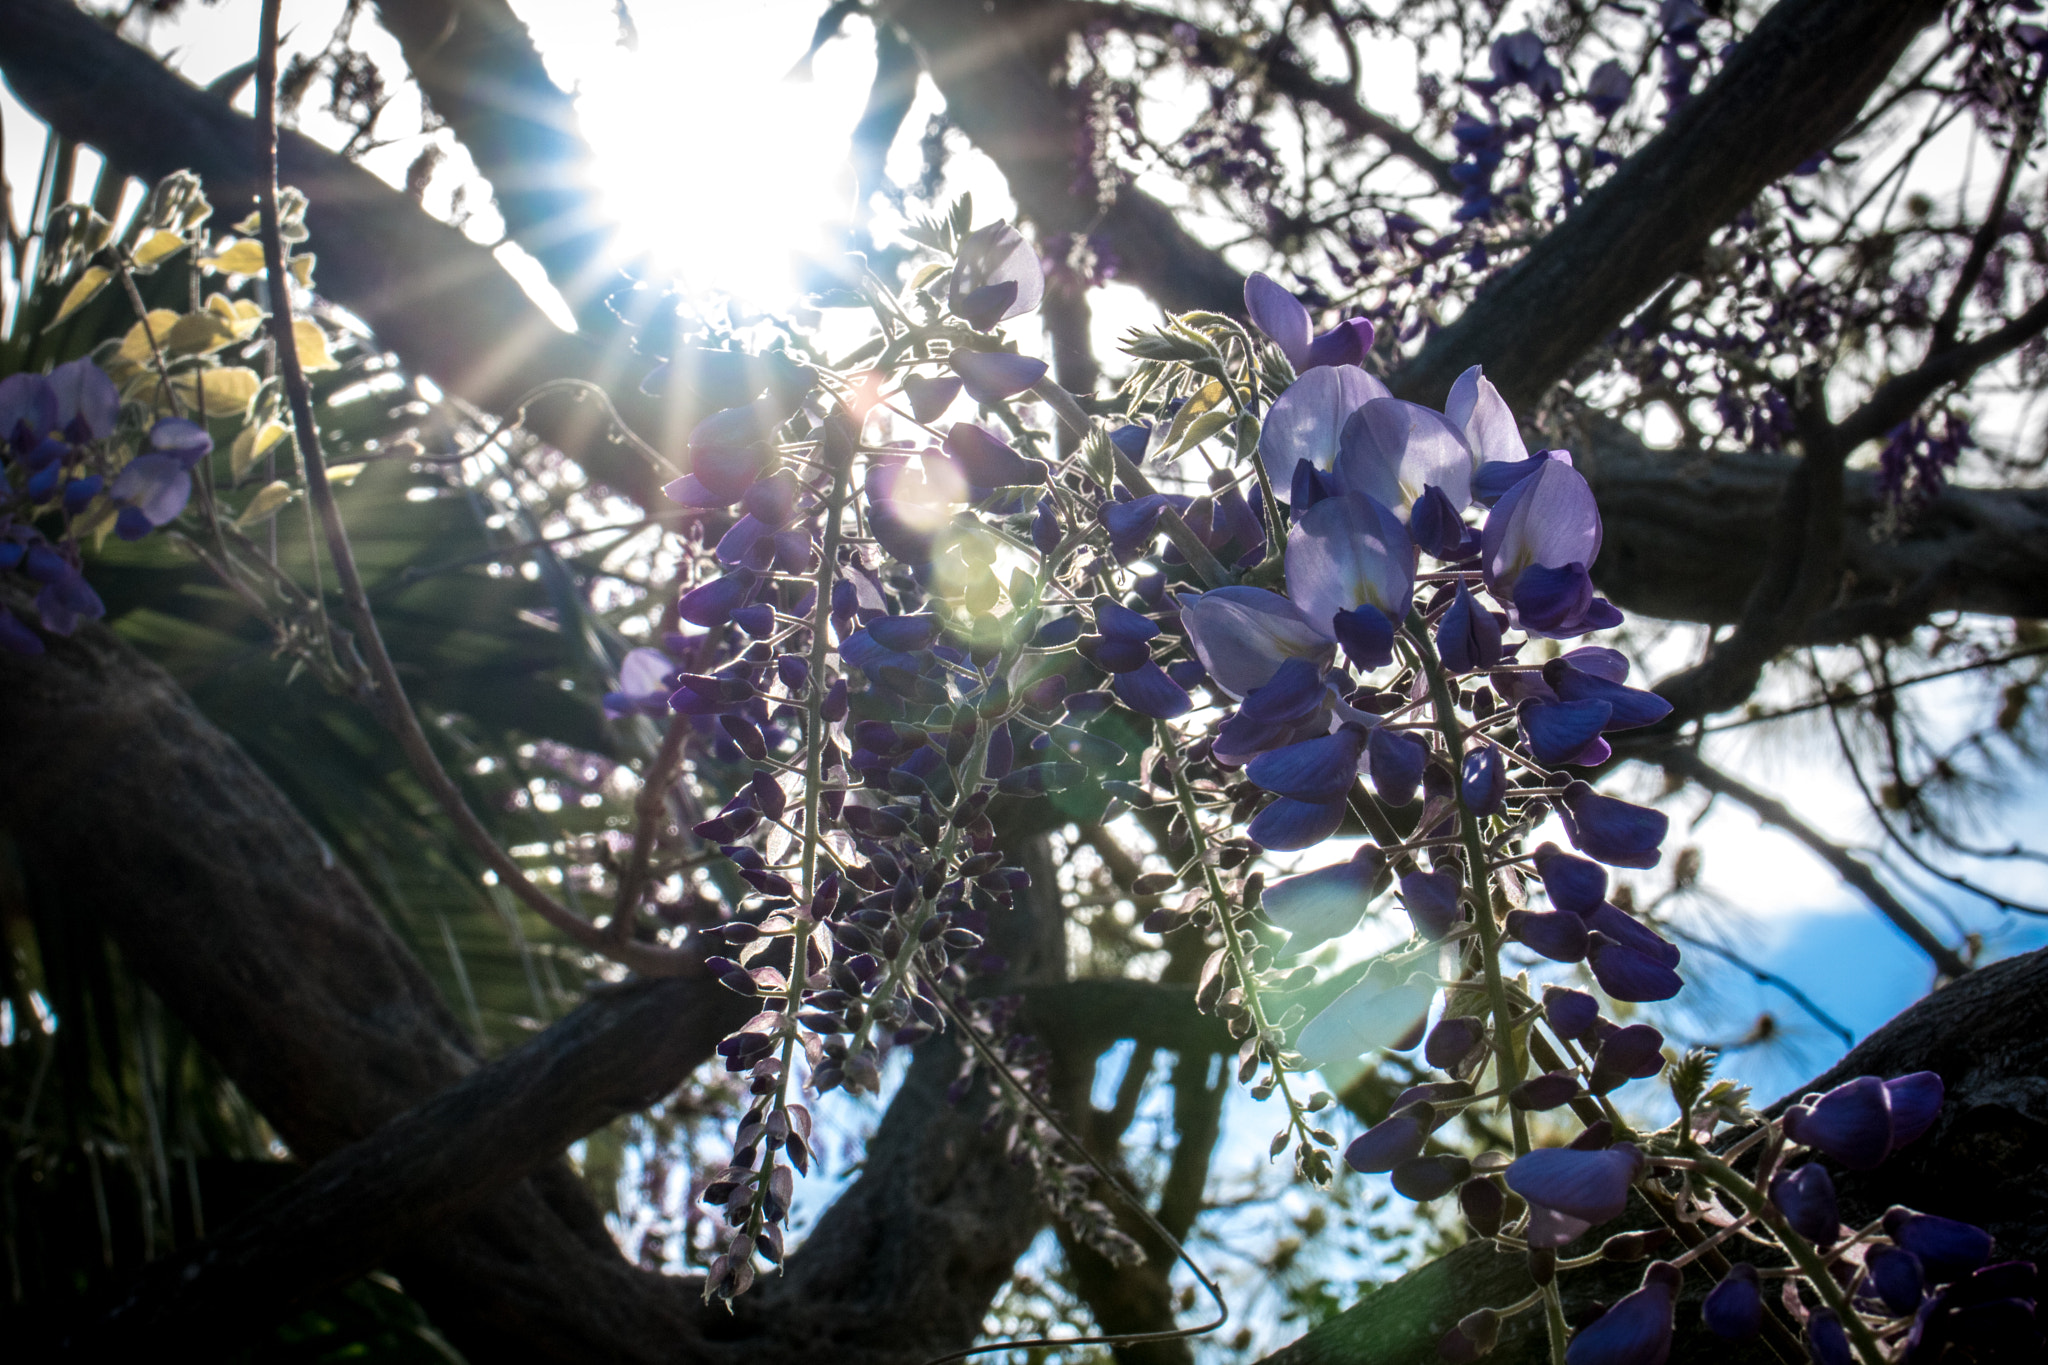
1893 1277
1119 622
1468 636
1348 343
1560 732
1734 1308
1317 770
1589 1186
63 604
1133 439
996 275
1391 1141
833 708
772 501
1806 1197
1473 1338
1612 831
1572 883
1545 1092
906 634
1616 923
1630 707
1045 526
1560 601
1288 825
1637 1330
80 492
1483 780
1946 1248
1453 1040
757 620
1367 636
1627 1054
1435 526
1851 1123
794 671
987 461
1826 1341
1394 760
1483 1204
712 604
1627 974
1916 1103
1558 934
1424 1178
992 376
1149 692
1132 524
930 396
1431 900
1571 1013
728 451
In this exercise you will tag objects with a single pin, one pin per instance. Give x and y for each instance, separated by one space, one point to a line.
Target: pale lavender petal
1476 408
991 376
1549 518
1243 635
156 484
1280 315
1391 450
1307 421
1346 552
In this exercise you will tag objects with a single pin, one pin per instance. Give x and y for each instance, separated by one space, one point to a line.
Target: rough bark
1788 90
1985 1162
621 1051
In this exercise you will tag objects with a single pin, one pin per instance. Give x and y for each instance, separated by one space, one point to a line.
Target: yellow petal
269 500
302 269
345 473
242 257
90 283
158 247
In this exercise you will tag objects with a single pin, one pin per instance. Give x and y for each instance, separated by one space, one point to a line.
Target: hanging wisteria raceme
1372 621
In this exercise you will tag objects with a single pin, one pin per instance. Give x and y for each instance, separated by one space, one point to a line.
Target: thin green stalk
1296 1116
1506 1061
1802 1251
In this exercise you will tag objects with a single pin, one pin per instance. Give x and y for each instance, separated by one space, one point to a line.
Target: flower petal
1307 421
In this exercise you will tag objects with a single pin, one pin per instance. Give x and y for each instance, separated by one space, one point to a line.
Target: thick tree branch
1985 1161
1001 68
621 1051
1792 86
477 66
437 299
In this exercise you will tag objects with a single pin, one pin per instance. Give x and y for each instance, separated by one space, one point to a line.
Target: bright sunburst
717 168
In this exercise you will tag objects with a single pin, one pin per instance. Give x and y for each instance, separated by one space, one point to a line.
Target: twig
1686 763
1768 978
399 713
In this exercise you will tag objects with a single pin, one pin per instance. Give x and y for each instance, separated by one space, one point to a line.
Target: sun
719 168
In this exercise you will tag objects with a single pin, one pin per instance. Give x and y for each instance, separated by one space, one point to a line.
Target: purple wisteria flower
1575 1188
996 276
1285 321
1635 1331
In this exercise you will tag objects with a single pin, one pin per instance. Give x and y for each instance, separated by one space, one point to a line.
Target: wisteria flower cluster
1371 620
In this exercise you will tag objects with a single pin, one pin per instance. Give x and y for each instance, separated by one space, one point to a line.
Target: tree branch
1788 90
619 1052
1985 1161
1686 763
477 66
